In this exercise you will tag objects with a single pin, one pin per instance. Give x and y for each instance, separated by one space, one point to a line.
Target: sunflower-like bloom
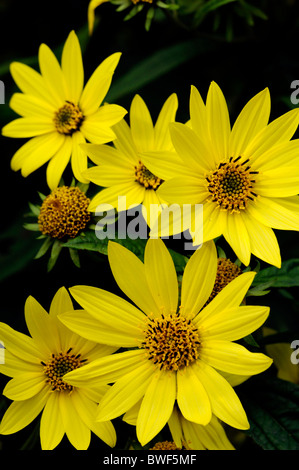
246 178
120 169
37 365
186 434
176 351
59 113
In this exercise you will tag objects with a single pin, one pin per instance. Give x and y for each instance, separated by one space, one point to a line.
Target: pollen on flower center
231 185
68 118
171 342
227 271
64 212
58 366
145 177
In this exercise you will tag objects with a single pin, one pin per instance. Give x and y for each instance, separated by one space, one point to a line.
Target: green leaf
286 276
272 408
56 249
88 241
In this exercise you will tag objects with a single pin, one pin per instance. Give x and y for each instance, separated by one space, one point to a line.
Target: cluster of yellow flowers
171 357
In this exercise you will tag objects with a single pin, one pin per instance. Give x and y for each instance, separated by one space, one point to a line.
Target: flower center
64 212
226 272
58 366
68 118
165 445
171 342
145 177
231 185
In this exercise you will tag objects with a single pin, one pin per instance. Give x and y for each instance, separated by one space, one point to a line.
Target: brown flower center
231 185
64 212
226 272
68 118
144 177
58 366
171 342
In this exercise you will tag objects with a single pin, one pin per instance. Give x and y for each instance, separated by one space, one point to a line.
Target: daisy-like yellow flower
37 364
120 169
176 351
59 113
246 177
186 434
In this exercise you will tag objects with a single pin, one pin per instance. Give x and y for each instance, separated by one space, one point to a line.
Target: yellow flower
176 350
59 113
246 177
120 168
37 365
186 434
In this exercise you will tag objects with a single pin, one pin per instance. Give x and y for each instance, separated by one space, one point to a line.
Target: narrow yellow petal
98 85
192 397
24 386
167 115
224 400
281 182
28 127
21 413
253 118
47 147
30 81
198 279
129 273
72 67
141 125
218 121
278 213
233 358
76 430
156 406
51 425
236 235
58 163
198 113
79 157
29 105
52 74
161 275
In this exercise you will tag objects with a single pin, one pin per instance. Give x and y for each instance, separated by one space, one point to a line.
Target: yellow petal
29 105
237 237
129 273
253 118
161 276
156 406
233 358
93 4
224 400
24 386
76 430
218 121
51 424
98 85
19 344
192 397
263 241
229 297
234 323
119 196
198 113
21 413
198 279
141 125
72 68
79 157
125 393
52 74
30 82
281 182
278 213
47 147
109 309
28 127
58 163
167 115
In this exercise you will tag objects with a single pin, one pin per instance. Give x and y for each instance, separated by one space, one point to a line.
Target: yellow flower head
177 350
246 177
59 113
37 365
121 170
64 213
